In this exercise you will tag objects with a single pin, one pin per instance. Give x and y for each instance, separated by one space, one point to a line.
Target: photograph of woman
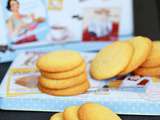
20 24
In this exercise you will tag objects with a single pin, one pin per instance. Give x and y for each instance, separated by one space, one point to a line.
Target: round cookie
57 116
154 58
71 113
76 90
59 61
67 74
94 111
142 47
111 60
155 71
62 84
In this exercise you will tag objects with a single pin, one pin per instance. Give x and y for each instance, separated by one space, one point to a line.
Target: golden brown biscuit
57 116
154 58
64 83
68 74
111 60
142 47
71 113
76 90
59 61
94 111
155 71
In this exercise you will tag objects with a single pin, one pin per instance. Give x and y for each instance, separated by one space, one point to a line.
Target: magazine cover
44 25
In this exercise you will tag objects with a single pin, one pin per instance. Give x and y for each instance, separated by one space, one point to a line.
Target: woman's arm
37 20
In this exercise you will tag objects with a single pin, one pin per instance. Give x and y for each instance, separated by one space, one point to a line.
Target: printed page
26 22
89 20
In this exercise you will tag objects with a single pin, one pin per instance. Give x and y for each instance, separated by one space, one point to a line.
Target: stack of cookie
63 73
87 111
121 58
151 67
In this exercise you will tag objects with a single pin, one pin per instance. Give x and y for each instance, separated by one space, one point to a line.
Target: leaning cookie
59 61
76 90
71 113
64 83
94 111
111 60
68 74
142 47
153 59
155 71
57 116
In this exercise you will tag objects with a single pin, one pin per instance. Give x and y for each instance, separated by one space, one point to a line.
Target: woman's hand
32 16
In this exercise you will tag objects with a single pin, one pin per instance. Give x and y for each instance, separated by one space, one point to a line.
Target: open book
131 94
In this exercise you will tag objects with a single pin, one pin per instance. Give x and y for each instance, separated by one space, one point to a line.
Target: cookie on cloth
57 116
63 83
59 61
71 113
153 59
94 111
68 74
111 60
76 90
142 47
154 71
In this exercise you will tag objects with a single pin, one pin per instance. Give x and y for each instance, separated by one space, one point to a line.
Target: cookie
155 71
94 111
59 61
111 60
68 74
142 47
64 83
76 90
57 116
71 113
153 59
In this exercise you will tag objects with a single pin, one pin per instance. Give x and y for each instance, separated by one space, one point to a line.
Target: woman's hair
8 4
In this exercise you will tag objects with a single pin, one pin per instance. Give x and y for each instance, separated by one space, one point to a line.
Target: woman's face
14 6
